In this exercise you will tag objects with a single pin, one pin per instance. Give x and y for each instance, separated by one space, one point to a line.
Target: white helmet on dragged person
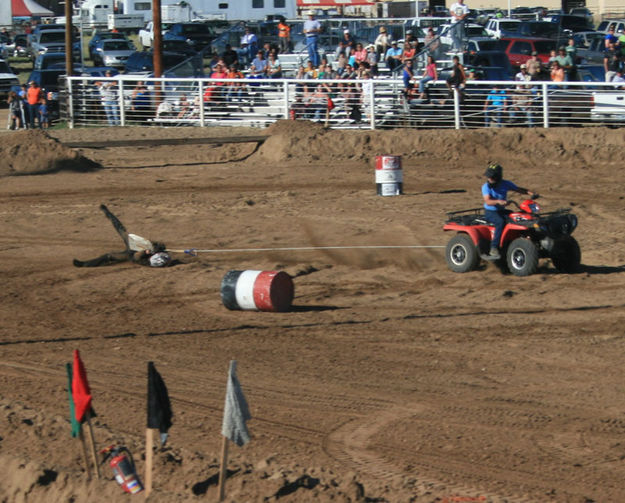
160 259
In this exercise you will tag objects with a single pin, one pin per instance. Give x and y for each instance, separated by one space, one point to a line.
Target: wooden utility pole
157 49
69 61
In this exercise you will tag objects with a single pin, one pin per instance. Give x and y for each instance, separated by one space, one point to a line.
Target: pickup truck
608 107
146 35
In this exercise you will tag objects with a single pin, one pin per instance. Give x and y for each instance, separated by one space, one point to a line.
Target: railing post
371 98
70 104
545 106
285 94
120 99
456 108
200 89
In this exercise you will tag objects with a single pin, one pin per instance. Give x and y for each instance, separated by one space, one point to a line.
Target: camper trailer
231 10
93 14
5 14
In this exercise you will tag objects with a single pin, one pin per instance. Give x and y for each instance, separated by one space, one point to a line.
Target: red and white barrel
257 291
389 177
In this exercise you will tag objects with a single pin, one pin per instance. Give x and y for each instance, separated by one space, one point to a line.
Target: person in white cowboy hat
312 28
382 41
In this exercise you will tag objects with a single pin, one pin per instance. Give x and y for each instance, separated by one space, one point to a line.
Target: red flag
330 103
80 388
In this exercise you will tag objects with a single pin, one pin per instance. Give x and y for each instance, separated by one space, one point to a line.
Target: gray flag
236 411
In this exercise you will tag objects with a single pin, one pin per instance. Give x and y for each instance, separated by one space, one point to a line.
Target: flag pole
224 469
149 457
92 442
85 454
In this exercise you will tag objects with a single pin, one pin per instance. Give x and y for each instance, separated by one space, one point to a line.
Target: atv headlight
572 223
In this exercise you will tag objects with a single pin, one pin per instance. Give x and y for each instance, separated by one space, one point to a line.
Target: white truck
608 107
169 14
125 22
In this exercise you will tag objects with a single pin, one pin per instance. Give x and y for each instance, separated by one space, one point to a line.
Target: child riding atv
494 192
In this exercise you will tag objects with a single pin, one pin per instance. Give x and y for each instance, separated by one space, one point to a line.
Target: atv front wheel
461 254
566 255
522 257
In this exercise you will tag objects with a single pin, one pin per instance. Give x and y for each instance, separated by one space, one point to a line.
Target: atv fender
477 233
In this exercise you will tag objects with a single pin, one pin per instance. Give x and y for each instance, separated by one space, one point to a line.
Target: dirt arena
392 379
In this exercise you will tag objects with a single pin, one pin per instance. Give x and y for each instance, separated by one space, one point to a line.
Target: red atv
527 236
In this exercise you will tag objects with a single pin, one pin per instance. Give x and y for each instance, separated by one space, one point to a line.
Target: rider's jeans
498 219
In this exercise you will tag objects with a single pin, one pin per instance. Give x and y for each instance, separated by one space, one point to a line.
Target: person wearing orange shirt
33 95
284 34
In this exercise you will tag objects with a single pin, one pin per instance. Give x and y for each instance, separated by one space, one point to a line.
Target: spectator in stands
312 28
410 50
382 42
557 72
274 68
458 11
458 77
184 107
317 102
565 61
360 53
349 41
310 72
393 56
610 39
619 77
109 98
571 50
431 42
495 105
140 101
612 62
534 67
341 50
523 95
236 90
284 35
372 59
429 74
249 44
229 56
258 68
33 96
407 76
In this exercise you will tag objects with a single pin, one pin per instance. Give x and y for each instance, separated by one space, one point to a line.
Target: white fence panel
363 104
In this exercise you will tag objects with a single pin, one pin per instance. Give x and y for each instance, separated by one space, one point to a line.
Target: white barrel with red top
389 176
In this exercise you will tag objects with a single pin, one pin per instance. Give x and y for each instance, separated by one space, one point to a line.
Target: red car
519 50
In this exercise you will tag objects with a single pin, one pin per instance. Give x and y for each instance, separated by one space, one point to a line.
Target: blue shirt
499 191
496 98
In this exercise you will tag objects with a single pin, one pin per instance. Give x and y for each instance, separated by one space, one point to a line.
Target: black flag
159 407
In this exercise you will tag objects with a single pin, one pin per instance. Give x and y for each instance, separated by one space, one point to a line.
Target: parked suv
519 50
141 62
197 35
8 79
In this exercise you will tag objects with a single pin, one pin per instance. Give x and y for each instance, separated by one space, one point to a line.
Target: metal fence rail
356 104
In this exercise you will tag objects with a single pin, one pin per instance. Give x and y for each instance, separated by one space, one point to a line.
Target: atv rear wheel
461 254
522 257
566 255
